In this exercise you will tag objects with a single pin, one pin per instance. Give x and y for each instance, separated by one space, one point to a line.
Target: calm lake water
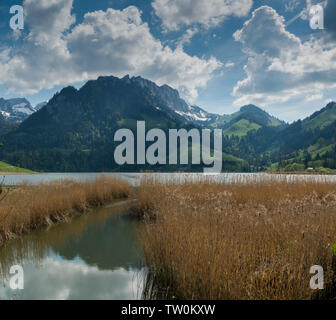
135 178
95 256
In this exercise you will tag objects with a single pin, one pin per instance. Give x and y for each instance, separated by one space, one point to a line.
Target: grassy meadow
30 207
250 240
9 169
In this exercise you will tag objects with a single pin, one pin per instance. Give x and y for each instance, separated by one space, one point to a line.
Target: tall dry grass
30 207
254 240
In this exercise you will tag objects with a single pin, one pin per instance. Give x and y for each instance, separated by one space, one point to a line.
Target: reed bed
30 207
252 239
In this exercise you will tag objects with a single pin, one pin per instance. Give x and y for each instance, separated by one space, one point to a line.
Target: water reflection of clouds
63 279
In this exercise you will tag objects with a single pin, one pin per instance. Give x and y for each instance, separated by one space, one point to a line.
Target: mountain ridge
74 130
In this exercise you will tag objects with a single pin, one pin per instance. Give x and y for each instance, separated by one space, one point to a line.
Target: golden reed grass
30 207
244 240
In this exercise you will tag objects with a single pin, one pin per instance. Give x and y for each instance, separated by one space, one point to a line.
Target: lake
135 178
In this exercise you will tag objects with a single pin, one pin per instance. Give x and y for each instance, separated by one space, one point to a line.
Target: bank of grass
254 240
6 168
30 207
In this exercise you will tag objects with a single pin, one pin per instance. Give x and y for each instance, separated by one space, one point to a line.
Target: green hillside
248 118
7 168
322 118
241 128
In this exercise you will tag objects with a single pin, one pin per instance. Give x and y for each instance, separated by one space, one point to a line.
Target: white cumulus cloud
57 51
177 13
281 66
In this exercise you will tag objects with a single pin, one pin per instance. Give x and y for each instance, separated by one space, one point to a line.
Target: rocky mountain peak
16 110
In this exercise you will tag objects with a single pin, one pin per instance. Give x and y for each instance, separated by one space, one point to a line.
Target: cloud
48 19
229 64
69 280
57 51
280 65
265 33
177 13
314 97
187 36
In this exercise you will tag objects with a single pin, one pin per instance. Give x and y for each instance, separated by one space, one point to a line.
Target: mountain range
74 131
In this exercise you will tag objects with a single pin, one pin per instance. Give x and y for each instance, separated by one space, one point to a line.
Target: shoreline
303 173
17 173
68 217
25 210
158 172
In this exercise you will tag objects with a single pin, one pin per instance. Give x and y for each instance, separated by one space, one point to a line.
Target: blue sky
220 54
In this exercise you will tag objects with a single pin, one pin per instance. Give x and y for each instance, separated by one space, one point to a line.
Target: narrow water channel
94 256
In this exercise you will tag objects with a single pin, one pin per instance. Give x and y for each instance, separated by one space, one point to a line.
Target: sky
219 54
